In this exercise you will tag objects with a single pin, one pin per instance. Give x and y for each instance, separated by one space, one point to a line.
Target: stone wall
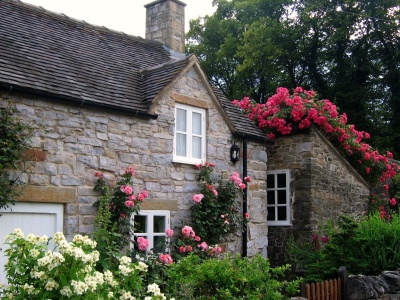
384 286
71 143
323 186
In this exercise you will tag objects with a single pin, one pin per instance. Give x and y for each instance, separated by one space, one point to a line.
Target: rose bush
68 272
284 113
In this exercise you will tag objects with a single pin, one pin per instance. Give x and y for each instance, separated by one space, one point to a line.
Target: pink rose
187 231
247 215
169 232
145 193
197 198
393 201
203 246
140 197
247 179
129 203
131 197
142 243
197 238
130 171
189 248
98 174
242 186
165 259
182 249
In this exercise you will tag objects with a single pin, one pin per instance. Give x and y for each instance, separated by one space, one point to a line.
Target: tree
346 50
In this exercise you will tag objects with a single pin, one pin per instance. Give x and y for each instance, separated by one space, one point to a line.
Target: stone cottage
102 101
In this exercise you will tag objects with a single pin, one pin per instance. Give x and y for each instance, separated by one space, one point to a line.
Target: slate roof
53 55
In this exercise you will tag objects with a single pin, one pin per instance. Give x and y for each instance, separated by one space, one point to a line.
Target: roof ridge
162 65
65 18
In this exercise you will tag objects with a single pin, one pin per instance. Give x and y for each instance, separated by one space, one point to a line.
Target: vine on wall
14 142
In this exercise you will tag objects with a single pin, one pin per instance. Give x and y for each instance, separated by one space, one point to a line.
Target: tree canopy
346 50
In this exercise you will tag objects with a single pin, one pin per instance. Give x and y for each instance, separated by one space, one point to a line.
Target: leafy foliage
229 278
218 213
368 247
345 50
14 138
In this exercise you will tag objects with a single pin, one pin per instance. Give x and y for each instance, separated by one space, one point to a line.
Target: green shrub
368 247
228 278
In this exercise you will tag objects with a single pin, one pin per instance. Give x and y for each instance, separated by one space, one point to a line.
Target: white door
36 218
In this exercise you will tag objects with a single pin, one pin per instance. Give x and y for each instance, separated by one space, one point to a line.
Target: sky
122 15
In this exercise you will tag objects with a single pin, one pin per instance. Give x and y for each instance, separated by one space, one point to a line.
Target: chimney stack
165 23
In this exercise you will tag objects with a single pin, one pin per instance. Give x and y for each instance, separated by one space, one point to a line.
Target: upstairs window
190 139
278 197
151 224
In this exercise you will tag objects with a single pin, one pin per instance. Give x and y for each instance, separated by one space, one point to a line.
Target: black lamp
235 153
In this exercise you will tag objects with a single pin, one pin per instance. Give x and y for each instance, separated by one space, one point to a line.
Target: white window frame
275 189
188 159
149 234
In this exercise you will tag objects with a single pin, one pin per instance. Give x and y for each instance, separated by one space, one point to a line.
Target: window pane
181 120
196 147
282 213
270 181
282 197
196 123
140 224
159 224
181 144
271 213
271 197
159 244
281 180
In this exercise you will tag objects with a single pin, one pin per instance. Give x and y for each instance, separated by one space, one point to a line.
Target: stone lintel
190 100
47 194
149 204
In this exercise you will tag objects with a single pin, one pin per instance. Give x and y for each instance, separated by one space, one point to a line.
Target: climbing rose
197 198
130 171
203 246
247 215
393 201
165 259
182 249
142 243
169 232
187 231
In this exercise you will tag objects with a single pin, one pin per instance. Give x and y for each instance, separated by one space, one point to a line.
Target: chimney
165 23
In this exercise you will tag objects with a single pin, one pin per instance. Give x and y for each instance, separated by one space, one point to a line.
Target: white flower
126 296
43 239
125 270
124 260
51 285
34 252
58 237
18 232
79 287
31 238
66 291
141 267
153 288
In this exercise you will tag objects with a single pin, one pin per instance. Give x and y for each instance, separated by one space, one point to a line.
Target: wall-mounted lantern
235 153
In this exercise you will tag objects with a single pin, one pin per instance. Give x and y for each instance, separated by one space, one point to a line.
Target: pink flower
226 222
247 179
392 201
129 203
242 186
140 197
131 197
169 232
314 237
189 248
122 216
187 231
145 193
130 171
197 198
199 166
197 238
247 215
386 186
382 214
325 239
126 189
182 249
203 246
367 170
98 174
271 135
165 259
142 243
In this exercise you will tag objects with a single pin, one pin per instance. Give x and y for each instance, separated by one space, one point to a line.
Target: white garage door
37 218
